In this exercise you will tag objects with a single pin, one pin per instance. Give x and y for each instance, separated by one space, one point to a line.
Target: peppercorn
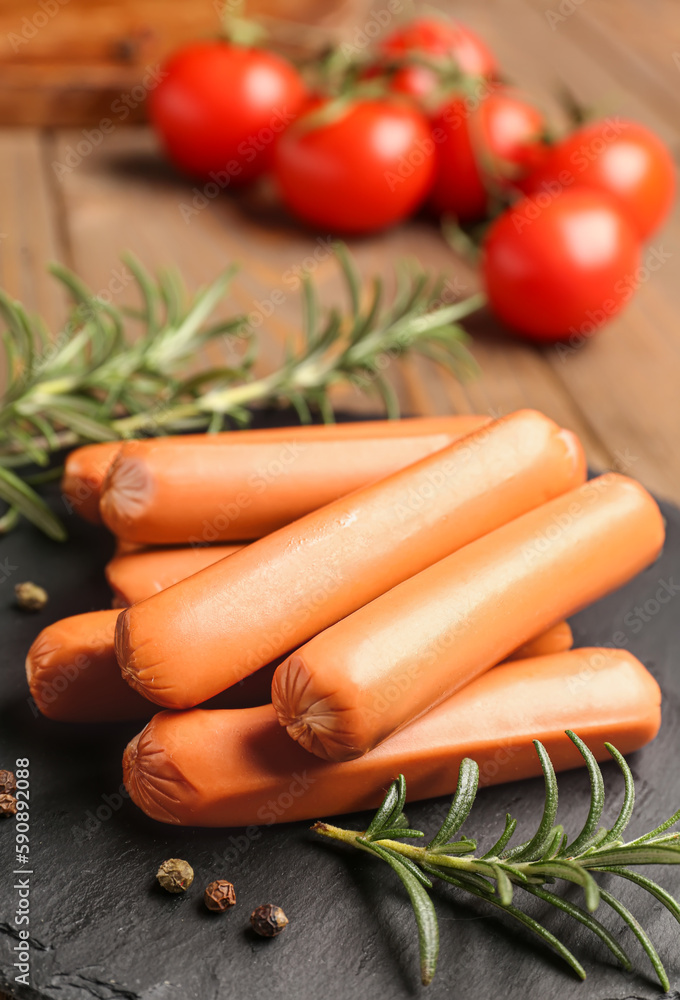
175 875
8 805
30 597
8 783
220 895
268 920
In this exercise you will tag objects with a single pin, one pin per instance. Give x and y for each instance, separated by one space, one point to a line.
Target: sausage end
154 783
126 493
311 721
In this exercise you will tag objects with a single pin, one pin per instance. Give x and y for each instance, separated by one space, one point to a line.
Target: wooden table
619 392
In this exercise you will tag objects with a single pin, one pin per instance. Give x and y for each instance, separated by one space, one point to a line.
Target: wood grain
619 391
66 62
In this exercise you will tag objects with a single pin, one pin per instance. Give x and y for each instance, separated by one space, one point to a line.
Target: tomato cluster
426 122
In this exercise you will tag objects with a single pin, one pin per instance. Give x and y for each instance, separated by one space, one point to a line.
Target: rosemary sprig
98 381
496 875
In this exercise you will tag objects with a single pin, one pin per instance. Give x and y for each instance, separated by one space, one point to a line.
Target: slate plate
100 928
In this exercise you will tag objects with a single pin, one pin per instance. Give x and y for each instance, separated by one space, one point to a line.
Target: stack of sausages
317 609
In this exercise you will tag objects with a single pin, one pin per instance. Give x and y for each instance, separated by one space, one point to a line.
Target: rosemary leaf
468 781
423 908
532 865
640 934
26 501
584 839
97 380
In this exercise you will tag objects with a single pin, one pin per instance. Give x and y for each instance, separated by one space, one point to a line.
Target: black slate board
100 928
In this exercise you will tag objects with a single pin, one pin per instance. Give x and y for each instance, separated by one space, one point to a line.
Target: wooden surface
66 62
619 392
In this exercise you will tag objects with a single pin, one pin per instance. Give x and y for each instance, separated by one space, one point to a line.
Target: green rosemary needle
96 381
501 871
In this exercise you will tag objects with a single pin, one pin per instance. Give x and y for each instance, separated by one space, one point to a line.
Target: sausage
73 675
235 616
239 486
135 576
553 640
238 768
84 474
358 682
86 467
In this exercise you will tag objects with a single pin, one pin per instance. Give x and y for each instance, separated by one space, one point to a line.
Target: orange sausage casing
203 768
235 616
73 675
84 473
134 576
554 640
358 682
243 485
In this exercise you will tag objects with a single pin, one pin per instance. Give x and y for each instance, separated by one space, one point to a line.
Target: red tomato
482 148
365 169
561 271
220 108
431 36
618 156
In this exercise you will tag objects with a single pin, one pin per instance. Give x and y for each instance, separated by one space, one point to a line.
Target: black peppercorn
175 875
220 895
268 920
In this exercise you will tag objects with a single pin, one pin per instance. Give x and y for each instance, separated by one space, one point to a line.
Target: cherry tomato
220 109
481 148
618 156
368 166
561 271
431 36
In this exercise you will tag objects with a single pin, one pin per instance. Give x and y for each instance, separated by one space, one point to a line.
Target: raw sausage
239 768
358 682
243 612
234 487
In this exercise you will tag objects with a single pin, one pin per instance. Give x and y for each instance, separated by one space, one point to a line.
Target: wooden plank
632 39
29 236
56 73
